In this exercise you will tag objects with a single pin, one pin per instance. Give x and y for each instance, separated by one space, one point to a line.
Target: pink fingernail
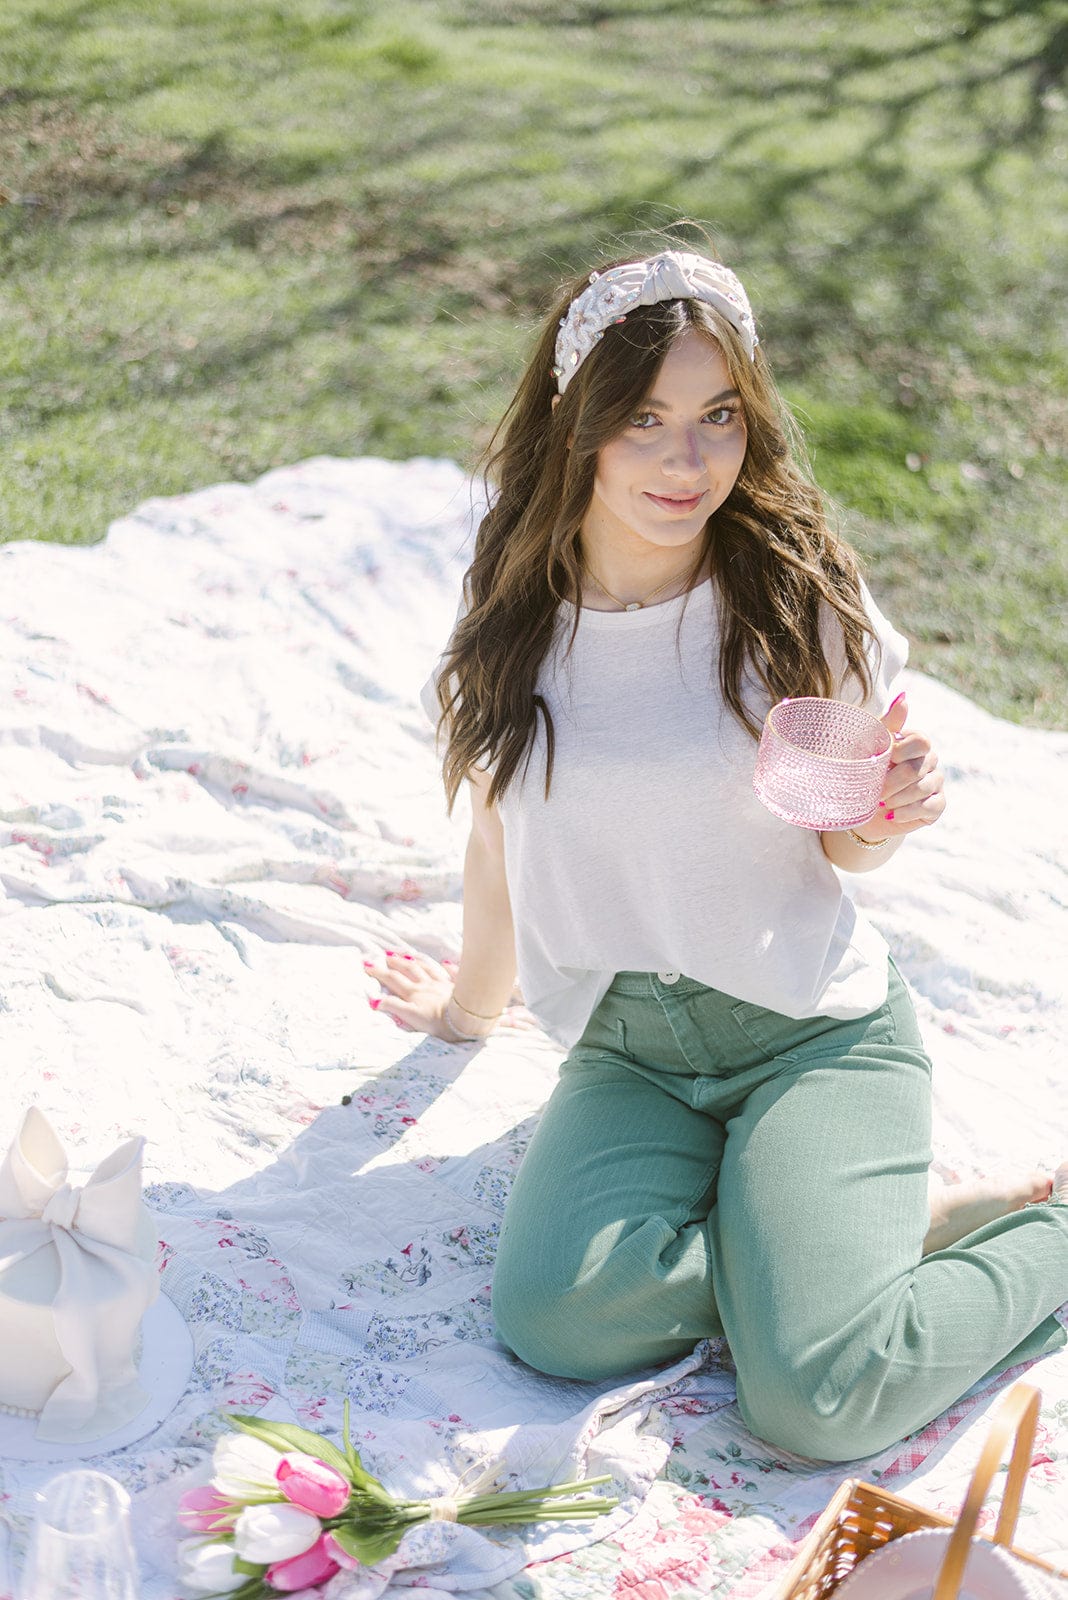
889 816
374 1004
882 807
901 696
371 963
391 952
406 956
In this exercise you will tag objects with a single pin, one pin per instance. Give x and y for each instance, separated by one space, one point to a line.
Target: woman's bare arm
486 975
419 990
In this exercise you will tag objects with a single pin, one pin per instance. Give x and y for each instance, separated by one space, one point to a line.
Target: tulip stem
519 1498
549 1513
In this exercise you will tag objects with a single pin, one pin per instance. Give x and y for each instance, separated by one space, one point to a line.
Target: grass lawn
239 234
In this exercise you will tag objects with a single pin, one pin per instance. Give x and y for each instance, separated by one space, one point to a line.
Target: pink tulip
205 1510
303 1571
312 1485
336 1553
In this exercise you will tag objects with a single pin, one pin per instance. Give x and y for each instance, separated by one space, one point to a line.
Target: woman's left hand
913 792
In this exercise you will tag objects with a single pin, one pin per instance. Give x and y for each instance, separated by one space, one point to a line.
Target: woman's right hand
418 988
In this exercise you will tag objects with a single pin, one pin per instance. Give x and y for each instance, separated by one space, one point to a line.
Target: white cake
79 1275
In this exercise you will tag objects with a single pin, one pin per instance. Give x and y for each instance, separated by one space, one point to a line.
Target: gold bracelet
865 844
466 1038
481 1015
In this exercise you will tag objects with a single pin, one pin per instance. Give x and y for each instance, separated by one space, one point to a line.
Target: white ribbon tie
106 1284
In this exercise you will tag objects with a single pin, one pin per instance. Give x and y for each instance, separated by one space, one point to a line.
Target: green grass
243 234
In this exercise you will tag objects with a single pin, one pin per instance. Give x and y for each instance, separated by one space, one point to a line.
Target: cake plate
164 1368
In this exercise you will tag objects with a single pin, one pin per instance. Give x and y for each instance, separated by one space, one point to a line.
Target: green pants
705 1166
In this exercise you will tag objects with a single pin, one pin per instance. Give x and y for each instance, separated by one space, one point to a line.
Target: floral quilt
218 794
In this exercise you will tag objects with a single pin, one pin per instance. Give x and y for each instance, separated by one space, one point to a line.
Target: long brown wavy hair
774 557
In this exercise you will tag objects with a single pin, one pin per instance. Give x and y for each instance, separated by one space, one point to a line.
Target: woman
739 1140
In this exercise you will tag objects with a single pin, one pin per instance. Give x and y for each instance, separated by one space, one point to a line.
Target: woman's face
678 457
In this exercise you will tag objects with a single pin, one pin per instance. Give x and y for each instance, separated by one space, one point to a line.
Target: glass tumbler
822 763
80 1547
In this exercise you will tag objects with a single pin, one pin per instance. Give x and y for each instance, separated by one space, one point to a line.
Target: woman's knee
541 1323
797 1415
579 1325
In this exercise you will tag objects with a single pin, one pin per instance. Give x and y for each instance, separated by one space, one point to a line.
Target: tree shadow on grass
377 247
210 169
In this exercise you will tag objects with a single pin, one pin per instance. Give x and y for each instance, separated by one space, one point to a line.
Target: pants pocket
604 1033
777 1035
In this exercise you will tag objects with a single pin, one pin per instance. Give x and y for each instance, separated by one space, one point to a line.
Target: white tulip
208 1568
243 1465
269 1533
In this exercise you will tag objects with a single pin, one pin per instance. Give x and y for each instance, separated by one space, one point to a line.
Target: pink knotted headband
672 275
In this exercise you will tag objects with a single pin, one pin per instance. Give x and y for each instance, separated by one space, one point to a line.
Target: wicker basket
862 1518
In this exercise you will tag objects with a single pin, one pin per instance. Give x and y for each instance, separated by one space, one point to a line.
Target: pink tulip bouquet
286 1511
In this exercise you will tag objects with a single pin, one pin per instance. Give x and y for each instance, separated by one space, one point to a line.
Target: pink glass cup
822 763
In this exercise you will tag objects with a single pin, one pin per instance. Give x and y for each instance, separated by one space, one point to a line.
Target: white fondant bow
105 1284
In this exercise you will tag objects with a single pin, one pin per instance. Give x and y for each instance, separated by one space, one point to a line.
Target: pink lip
670 504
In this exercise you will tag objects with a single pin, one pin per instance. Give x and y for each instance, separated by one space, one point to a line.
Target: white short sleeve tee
652 852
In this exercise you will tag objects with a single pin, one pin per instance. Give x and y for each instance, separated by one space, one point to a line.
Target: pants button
668 977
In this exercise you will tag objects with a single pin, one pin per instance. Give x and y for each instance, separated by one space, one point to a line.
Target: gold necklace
634 605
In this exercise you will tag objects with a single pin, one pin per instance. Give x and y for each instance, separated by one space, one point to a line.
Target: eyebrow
728 394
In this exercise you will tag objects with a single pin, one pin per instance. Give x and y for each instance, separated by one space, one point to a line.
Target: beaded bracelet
865 844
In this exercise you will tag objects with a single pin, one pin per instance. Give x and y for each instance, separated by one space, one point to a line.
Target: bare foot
958 1209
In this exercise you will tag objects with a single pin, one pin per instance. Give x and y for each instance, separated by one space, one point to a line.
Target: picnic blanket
218 794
